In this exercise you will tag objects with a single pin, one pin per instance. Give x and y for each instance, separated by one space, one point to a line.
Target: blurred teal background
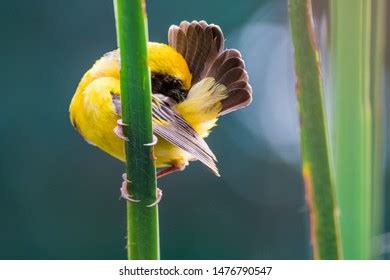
59 196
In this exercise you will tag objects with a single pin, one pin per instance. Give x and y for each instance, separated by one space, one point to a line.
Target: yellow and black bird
194 81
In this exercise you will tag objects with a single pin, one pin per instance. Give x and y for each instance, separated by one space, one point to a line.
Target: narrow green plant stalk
378 104
316 163
351 26
143 235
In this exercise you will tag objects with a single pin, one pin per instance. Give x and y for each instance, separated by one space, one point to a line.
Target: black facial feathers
168 86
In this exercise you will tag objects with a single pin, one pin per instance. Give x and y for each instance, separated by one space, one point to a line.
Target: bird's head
165 61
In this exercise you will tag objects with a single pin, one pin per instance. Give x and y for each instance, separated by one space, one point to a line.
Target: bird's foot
124 193
118 130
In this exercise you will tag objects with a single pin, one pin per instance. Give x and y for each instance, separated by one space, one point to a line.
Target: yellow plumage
94 115
194 80
166 60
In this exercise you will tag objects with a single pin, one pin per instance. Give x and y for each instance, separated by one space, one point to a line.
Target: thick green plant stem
143 235
354 147
316 163
378 103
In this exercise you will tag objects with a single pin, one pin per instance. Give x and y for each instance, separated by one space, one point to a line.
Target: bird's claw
124 193
121 123
152 143
158 199
118 130
124 177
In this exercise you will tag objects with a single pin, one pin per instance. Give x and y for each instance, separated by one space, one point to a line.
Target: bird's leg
124 193
170 170
158 198
162 173
118 130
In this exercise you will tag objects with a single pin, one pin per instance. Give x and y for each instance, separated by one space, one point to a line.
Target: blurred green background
59 196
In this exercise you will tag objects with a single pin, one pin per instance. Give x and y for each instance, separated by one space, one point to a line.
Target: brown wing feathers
202 46
173 128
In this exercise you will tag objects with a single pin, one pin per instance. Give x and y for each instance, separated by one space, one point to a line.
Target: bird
194 81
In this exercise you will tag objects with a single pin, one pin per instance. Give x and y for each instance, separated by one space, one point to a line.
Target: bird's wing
172 127
202 46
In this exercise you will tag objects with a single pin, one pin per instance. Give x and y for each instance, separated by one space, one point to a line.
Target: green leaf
357 56
316 163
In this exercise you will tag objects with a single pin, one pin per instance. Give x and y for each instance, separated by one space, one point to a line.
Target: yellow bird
194 81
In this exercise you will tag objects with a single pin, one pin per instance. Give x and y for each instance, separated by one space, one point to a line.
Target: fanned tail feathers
202 46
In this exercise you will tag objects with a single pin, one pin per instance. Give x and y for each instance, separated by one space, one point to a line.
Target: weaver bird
194 81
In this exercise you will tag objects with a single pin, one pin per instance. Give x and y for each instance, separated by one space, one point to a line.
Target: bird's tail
202 46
